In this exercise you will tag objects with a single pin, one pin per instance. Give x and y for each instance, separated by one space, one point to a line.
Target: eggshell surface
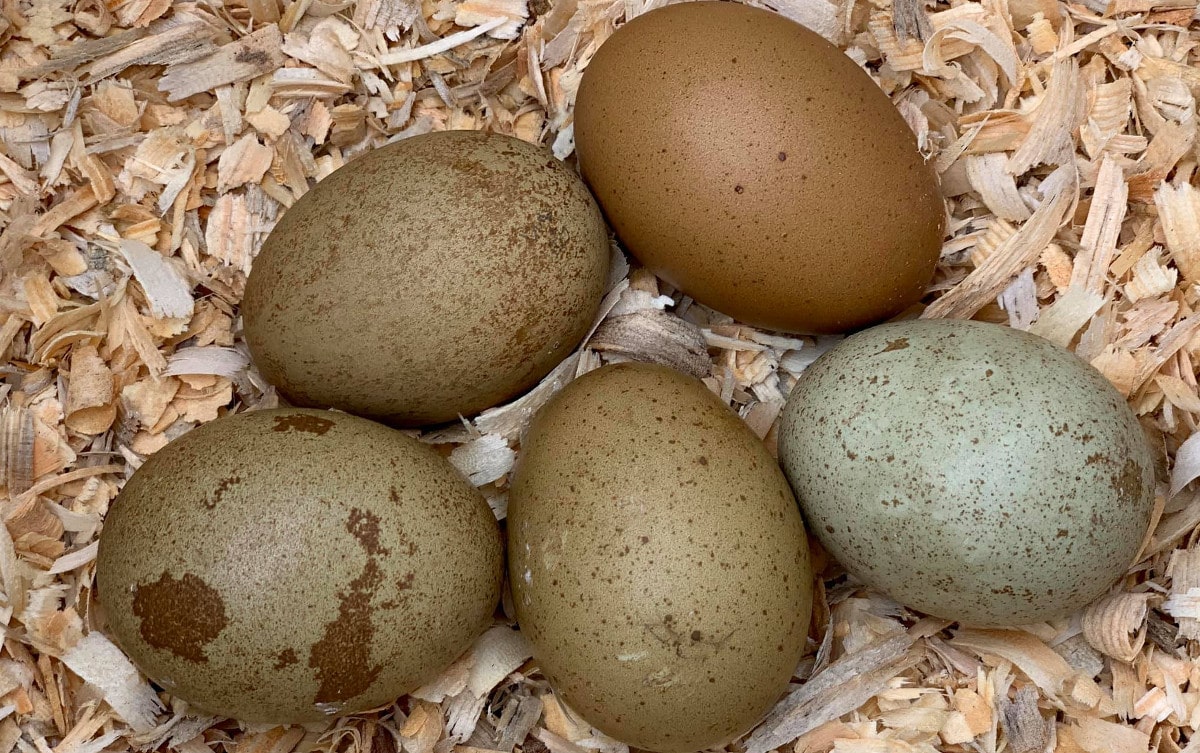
284 566
658 561
969 470
748 162
427 279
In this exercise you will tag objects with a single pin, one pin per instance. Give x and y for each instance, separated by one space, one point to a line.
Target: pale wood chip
1061 321
242 60
1184 601
475 12
1179 213
1151 277
996 186
166 288
445 44
183 39
228 232
1170 144
91 403
386 14
95 659
76 203
1048 670
1058 114
422 729
1015 254
1096 735
246 161
1102 229
39 296
269 122
840 688
1187 465
483 460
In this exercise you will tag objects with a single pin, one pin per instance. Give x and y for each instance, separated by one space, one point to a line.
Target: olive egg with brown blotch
428 279
972 471
658 561
750 163
288 565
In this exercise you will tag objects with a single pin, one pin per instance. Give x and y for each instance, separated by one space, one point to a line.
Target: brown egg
751 164
288 565
657 558
428 279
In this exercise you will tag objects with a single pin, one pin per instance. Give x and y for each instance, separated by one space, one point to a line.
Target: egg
972 471
428 279
283 566
748 162
657 558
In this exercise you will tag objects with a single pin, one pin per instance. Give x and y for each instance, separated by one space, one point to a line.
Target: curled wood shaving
91 400
1116 625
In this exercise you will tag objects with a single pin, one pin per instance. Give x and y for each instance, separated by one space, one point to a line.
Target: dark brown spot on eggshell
342 658
286 658
179 615
306 423
222 486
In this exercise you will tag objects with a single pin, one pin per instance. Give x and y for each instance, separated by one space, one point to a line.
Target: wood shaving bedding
147 148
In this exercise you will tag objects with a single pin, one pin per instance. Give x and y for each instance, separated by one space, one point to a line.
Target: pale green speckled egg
969 470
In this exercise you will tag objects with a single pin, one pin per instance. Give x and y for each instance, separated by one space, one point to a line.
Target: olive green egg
430 278
285 566
972 471
658 561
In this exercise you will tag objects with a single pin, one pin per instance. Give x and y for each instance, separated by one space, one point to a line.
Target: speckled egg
969 470
657 558
750 163
287 565
430 278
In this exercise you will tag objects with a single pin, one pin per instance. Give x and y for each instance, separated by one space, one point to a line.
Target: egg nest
1065 137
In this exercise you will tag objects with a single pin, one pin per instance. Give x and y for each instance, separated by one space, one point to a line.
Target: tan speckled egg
428 279
657 559
972 471
287 565
750 163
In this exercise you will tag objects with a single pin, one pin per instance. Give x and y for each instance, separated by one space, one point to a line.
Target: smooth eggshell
658 560
436 276
748 162
286 565
972 471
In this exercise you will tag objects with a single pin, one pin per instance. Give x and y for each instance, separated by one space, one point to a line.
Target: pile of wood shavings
149 146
